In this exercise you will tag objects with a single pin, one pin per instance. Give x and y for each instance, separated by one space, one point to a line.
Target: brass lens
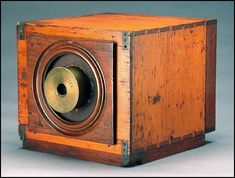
66 88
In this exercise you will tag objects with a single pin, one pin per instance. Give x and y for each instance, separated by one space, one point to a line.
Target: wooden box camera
114 88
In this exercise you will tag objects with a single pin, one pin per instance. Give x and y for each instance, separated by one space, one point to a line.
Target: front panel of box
70 87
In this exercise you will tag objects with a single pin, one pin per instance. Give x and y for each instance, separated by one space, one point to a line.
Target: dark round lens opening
61 89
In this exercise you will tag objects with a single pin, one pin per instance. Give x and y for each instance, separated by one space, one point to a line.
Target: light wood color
165 84
22 82
116 22
168 85
116 149
123 78
123 65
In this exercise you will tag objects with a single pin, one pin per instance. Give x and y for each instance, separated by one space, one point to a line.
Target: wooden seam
171 141
175 27
131 89
116 149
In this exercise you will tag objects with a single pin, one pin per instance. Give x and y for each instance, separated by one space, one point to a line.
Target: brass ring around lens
65 88
61 89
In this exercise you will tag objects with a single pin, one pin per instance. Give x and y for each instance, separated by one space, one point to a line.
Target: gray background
215 158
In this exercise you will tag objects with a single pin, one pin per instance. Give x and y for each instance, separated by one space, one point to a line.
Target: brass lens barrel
66 88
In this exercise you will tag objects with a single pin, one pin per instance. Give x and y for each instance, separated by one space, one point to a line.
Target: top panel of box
117 22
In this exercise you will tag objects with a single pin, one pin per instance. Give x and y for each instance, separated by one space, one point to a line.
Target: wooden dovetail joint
151 31
164 29
125 41
22 132
20 30
189 25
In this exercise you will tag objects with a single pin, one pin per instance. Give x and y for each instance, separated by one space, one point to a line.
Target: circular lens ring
54 120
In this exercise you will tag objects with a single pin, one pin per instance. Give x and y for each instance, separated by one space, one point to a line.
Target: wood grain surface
103 131
211 32
116 22
74 151
22 82
122 77
165 84
168 85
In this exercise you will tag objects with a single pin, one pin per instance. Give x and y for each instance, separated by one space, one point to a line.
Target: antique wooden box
116 88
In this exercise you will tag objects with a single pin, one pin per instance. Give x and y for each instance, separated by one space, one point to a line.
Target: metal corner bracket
125 41
125 156
22 132
20 30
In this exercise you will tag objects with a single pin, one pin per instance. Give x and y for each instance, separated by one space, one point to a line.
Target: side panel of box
210 76
168 88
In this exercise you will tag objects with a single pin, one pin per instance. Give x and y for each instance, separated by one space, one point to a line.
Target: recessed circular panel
69 87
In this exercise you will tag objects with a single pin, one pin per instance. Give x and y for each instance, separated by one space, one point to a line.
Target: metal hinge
20 30
125 41
22 132
125 156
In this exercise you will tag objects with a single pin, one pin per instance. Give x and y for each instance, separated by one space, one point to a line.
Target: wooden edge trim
69 141
143 156
131 90
208 117
175 27
42 25
136 33
72 151
33 34
171 141
22 81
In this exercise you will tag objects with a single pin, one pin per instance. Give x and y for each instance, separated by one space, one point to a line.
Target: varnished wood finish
100 155
122 78
71 141
210 77
152 154
123 65
22 82
74 151
165 85
169 102
126 22
102 131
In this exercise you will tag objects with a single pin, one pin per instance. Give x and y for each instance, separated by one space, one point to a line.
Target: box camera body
116 88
